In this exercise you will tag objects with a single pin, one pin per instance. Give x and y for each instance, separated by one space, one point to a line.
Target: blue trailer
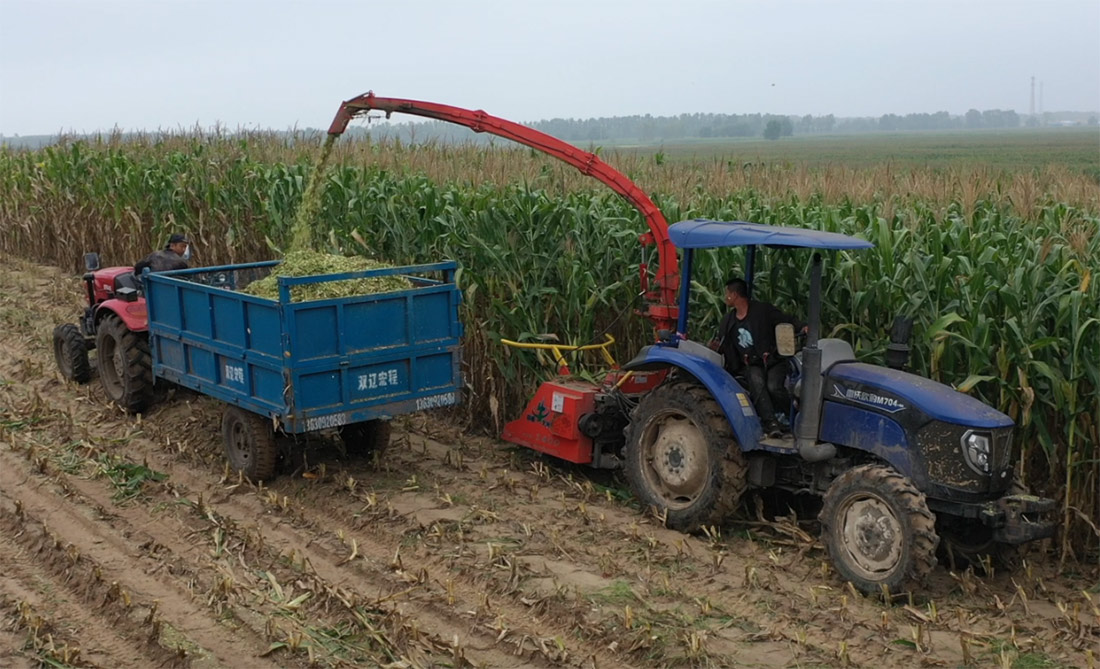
347 363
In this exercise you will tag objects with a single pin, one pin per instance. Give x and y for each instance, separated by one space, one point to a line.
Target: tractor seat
832 352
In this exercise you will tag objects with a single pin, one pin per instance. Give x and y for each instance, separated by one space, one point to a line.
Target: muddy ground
125 543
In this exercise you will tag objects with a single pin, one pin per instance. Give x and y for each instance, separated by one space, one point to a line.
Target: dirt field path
125 543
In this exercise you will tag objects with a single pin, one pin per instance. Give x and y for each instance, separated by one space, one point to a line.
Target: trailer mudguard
725 389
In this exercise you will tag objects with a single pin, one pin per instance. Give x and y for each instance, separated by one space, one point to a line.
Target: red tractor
115 322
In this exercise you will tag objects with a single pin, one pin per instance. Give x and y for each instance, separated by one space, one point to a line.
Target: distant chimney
1031 111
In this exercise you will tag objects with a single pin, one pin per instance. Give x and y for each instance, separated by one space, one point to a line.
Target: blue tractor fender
723 387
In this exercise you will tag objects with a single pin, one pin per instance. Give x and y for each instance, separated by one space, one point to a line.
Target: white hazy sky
149 64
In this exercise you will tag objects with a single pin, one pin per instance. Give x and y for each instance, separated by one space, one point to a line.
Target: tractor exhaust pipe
809 414
897 351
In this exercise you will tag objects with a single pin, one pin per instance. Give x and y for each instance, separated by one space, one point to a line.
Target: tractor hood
896 392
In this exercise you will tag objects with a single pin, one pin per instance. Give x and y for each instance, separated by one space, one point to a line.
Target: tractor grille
940 446
1002 456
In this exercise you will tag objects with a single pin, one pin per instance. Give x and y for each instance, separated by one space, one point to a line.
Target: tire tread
918 517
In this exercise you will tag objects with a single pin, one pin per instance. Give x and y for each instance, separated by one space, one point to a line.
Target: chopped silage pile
313 263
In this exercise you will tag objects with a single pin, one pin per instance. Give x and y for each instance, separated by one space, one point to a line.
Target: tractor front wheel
878 530
249 443
71 353
682 458
367 438
125 365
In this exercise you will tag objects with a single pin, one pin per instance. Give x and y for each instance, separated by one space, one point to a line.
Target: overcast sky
149 64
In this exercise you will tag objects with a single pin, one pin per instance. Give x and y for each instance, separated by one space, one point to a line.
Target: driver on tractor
174 255
746 339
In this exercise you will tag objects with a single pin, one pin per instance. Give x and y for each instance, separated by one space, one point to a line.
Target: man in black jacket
174 255
747 341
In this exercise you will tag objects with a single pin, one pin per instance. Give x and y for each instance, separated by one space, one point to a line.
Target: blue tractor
900 461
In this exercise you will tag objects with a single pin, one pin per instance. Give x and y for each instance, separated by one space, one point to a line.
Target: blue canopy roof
703 234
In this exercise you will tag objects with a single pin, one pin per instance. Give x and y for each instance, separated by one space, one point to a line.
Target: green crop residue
313 263
128 478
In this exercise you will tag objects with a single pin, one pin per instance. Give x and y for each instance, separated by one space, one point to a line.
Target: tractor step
784 442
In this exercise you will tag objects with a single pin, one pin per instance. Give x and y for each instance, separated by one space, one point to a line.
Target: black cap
178 239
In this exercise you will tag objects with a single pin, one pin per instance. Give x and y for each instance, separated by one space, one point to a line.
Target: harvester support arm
662 307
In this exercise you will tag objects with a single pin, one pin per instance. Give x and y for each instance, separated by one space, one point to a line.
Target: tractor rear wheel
249 443
878 530
367 438
682 458
125 365
71 353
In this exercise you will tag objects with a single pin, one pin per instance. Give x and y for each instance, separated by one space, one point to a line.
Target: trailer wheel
249 443
878 530
71 353
125 365
367 438
682 458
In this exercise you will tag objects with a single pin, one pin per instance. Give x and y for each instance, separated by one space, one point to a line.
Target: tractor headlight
976 447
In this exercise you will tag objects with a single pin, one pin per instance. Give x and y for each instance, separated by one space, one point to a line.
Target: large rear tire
71 353
125 365
878 530
249 442
682 458
367 438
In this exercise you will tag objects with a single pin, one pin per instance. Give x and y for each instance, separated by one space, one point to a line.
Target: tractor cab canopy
703 234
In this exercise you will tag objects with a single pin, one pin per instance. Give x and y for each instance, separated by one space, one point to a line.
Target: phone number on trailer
436 401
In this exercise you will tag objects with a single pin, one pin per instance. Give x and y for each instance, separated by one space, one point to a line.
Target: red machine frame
553 420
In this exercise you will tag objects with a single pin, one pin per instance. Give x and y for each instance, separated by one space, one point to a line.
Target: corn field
996 268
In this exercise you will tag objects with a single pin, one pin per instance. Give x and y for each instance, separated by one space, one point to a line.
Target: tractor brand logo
540 415
888 404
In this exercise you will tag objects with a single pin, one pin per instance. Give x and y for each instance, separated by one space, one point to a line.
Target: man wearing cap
174 255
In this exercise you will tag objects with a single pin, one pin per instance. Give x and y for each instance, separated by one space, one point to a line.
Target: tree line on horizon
648 128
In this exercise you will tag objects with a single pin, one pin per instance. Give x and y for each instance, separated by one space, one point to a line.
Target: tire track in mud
462 543
122 553
299 533
246 510
49 622
166 534
785 581
109 604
